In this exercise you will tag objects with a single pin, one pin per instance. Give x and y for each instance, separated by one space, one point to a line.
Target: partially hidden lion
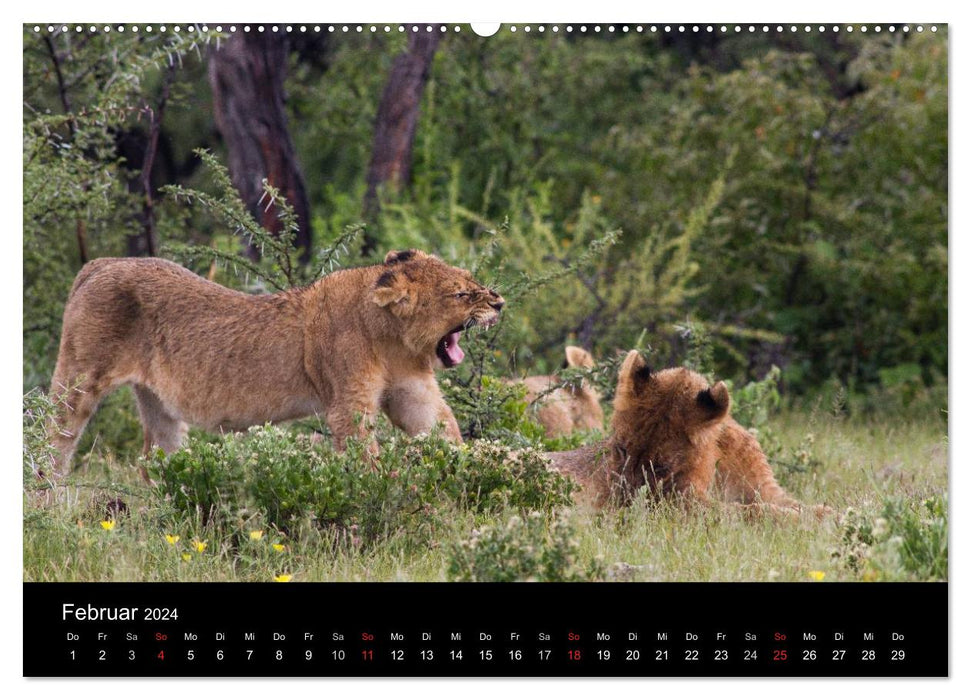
353 343
567 408
672 432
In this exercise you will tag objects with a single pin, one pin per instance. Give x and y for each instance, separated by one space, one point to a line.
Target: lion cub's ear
390 291
578 357
633 377
400 256
714 402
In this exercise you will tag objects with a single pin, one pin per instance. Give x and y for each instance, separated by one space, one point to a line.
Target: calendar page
448 349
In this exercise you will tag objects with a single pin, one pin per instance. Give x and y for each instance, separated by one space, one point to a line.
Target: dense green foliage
825 246
270 477
788 192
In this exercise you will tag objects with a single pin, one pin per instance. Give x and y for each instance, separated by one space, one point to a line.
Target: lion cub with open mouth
352 343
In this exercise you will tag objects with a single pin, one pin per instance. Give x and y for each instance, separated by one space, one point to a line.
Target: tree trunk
140 149
247 76
397 117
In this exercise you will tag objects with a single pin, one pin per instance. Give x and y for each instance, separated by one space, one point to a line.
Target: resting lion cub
671 431
568 408
352 343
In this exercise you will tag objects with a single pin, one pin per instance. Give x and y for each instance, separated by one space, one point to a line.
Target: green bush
524 549
204 479
38 452
284 480
906 536
492 408
754 402
495 477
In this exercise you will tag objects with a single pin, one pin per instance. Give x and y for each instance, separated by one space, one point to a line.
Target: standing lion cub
671 432
352 343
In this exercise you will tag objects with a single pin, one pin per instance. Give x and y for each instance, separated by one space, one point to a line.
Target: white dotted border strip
540 28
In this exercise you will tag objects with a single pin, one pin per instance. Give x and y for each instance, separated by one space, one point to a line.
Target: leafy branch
228 208
278 266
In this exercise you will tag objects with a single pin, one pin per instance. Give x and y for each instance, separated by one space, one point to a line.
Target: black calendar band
523 629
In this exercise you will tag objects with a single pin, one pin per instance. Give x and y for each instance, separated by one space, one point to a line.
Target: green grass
885 478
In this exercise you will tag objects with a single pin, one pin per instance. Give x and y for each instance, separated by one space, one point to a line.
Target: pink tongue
452 349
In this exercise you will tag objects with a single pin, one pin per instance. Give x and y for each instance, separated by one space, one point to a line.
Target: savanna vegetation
769 209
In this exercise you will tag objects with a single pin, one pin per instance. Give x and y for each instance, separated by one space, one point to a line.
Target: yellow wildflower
172 539
256 534
108 524
282 578
199 546
278 547
817 575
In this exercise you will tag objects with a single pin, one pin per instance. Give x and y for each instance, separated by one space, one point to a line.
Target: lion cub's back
742 468
154 289
114 300
148 281
216 357
118 305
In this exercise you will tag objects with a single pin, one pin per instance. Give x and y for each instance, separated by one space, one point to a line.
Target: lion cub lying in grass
568 408
671 431
353 343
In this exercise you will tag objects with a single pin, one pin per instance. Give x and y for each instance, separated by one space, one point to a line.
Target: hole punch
485 29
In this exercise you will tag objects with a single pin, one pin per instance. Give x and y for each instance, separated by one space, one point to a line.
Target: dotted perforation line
539 29
721 28
234 28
